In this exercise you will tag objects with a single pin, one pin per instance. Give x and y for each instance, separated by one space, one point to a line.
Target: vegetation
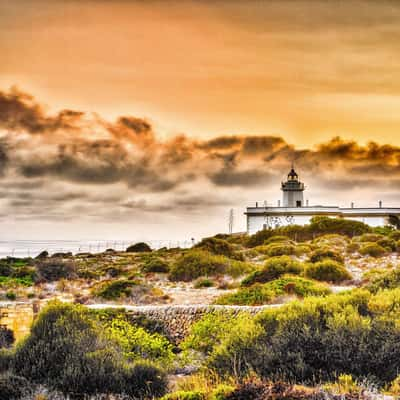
156 264
196 263
314 340
140 247
259 294
327 270
372 249
54 269
273 269
217 246
68 350
323 253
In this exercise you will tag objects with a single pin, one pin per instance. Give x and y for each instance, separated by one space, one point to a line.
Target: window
298 203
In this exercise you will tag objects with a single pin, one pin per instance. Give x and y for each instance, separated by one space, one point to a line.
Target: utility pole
231 221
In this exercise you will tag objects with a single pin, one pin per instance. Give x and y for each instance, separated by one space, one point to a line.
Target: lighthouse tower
293 190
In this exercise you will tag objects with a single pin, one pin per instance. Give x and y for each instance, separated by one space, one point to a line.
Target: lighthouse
292 190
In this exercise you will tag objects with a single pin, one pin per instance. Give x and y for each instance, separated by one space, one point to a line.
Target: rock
140 247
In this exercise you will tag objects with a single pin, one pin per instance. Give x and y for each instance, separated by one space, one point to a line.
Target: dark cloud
73 148
19 111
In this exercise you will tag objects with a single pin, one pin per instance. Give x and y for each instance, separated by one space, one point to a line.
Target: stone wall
176 320
17 317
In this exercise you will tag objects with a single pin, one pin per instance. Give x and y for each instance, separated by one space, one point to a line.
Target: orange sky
303 70
200 106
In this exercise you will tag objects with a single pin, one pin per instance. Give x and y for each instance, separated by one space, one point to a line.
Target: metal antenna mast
231 220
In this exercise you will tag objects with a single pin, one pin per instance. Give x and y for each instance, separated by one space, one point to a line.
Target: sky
152 119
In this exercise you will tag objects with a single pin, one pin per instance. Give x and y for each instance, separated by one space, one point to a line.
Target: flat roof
323 210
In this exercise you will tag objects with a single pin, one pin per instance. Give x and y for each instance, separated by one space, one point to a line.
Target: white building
294 211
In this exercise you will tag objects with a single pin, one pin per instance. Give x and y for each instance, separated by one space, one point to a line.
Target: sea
31 248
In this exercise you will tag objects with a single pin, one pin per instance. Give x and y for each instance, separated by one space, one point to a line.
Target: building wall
258 222
372 221
291 197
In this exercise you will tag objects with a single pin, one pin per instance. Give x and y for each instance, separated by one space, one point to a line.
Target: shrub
302 249
395 235
372 249
138 344
274 268
140 247
115 289
42 254
203 283
156 264
353 247
320 225
385 280
277 239
211 330
388 244
368 237
395 387
145 381
324 253
221 392
259 294
327 270
195 263
185 395
6 360
280 249
5 269
55 269
13 387
259 237
68 350
316 340
11 296
216 246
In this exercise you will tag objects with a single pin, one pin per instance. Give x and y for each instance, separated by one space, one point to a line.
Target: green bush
140 247
372 249
320 225
195 263
276 249
144 381
385 280
13 387
325 253
302 249
278 239
113 290
260 294
6 360
216 246
186 395
138 344
221 392
203 283
327 270
368 237
69 350
273 269
395 235
316 340
11 296
353 247
388 244
55 269
155 264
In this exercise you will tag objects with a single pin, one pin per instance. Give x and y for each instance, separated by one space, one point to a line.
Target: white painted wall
256 223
